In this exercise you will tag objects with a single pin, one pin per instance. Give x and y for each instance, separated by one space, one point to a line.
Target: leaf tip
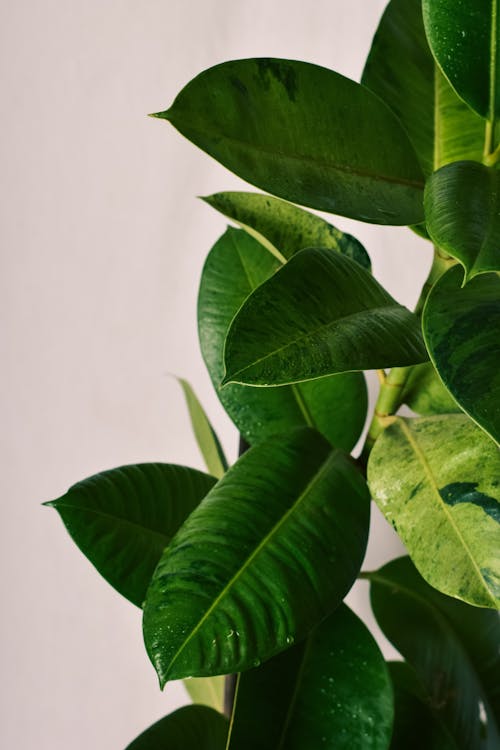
165 115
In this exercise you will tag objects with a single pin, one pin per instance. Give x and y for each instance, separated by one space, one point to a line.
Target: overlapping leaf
123 519
401 70
206 437
452 647
462 333
271 551
462 213
425 394
336 406
415 726
188 728
465 40
331 691
306 134
284 228
436 479
320 314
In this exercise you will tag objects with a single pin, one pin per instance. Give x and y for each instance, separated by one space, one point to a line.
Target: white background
103 243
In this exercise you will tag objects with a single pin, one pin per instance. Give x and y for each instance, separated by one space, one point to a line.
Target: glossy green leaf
452 647
208 691
319 315
336 406
284 228
436 479
331 691
401 70
123 519
205 434
188 728
462 333
425 394
464 37
271 551
415 726
462 211
306 134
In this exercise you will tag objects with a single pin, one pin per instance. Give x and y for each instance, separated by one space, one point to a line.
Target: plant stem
392 385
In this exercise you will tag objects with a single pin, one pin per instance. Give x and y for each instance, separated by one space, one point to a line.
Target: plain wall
103 241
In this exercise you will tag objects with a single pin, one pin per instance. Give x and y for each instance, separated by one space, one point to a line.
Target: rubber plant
242 571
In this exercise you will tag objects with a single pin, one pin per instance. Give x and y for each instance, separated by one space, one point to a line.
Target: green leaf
319 315
336 406
332 691
188 728
206 436
271 551
462 333
401 70
464 38
284 228
207 690
123 519
425 394
415 727
452 647
462 211
436 480
306 134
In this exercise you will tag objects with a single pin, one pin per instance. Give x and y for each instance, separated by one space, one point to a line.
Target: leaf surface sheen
336 406
123 519
401 70
436 479
438 636
462 210
330 691
272 550
465 40
462 333
188 728
305 134
319 315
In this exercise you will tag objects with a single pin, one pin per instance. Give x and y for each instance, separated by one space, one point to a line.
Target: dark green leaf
436 479
332 691
452 647
462 333
306 134
401 70
123 519
206 436
284 228
188 728
271 551
336 406
319 315
462 211
464 37
425 394
415 726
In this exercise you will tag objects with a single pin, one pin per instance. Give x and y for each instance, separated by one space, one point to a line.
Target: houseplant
258 563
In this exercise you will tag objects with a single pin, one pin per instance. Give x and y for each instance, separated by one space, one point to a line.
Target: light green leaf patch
425 394
437 480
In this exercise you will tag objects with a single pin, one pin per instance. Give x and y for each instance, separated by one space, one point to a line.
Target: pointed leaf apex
161 115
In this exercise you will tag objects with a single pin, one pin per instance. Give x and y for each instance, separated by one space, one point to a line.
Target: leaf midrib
308 334
441 505
253 555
